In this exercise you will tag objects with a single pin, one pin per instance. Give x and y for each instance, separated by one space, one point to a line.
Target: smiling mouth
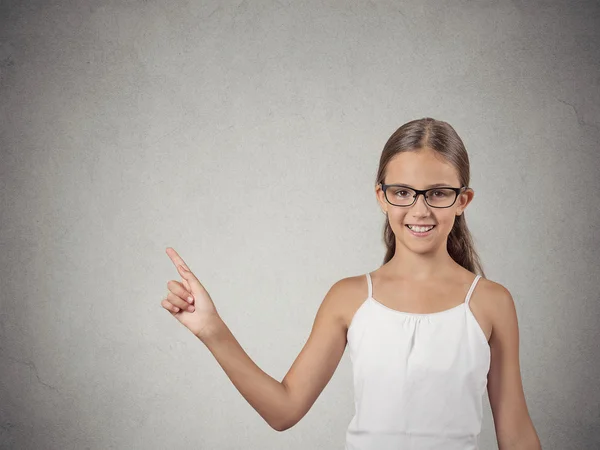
421 234
431 227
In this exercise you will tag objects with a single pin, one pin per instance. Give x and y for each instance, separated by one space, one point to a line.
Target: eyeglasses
438 197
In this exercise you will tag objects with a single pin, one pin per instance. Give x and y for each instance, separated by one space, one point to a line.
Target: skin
429 280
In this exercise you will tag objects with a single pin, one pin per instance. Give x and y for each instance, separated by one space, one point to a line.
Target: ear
464 199
383 204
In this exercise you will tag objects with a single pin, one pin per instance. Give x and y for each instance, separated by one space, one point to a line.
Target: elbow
282 426
279 428
287 416
286 422
528 440
533 443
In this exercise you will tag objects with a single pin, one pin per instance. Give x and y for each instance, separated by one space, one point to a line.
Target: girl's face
421 170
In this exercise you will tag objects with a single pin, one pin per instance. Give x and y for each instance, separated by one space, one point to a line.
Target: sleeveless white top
418 378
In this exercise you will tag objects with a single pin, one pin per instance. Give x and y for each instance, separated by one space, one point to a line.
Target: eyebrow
426 187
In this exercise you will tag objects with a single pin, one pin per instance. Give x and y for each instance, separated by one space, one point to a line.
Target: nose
420 203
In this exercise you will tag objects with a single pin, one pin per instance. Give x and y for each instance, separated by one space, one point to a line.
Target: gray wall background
246 135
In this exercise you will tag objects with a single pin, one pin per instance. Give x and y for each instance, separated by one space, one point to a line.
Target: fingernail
191 308
190 299
176 309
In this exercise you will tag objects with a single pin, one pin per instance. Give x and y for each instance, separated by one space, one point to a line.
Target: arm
283 404
514 428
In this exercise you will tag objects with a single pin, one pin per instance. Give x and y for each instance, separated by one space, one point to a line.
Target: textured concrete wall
246 135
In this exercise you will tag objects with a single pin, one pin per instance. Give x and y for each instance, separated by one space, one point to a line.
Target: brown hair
443 139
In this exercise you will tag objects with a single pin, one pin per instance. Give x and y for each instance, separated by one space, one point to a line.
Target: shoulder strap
370 283
468 298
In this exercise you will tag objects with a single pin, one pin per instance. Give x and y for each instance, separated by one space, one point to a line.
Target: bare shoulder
492 304
502 305
497 297
353 292
491 289
345 297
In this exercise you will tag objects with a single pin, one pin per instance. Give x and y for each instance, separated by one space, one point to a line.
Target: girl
426 331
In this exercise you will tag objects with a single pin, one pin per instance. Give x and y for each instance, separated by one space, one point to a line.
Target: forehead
420 169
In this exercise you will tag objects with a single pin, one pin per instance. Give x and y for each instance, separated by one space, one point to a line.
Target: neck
409 264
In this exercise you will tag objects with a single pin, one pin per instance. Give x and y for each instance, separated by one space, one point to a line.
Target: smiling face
420 170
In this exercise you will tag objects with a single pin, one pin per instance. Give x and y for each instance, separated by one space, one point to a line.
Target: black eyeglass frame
457 191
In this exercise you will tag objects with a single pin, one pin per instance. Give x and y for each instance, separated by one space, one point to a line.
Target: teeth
420 229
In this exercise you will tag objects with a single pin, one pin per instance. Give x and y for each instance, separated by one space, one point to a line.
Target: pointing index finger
176 259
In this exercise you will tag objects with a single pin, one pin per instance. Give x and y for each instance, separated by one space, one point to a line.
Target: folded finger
179 302
179 290
169 306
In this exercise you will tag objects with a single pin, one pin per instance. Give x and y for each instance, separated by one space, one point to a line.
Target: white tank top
418 378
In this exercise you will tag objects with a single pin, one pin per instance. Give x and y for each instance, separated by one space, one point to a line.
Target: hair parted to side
443 139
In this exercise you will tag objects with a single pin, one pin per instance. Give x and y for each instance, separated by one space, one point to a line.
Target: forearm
265 394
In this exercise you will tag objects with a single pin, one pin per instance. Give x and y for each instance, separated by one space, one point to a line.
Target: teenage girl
427 333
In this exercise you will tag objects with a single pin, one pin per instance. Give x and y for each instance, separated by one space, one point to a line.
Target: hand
203 313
